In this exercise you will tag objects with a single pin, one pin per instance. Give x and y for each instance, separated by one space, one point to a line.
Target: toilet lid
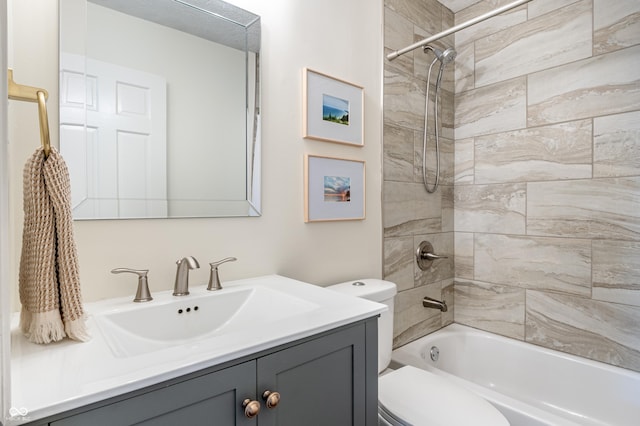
418 397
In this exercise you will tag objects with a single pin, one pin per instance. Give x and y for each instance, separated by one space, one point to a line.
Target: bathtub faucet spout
428 302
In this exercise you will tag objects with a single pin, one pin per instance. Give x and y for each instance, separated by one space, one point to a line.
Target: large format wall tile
399 261
616 24
498 208
495 108
447 192
403 214
616 145
547 195
464 161
548 41
427 14
556 152
403 100
495 308
489 26
464 255
602 331
540 7
398 154
605 84
464 66
597 208
557 264
412 320
616 271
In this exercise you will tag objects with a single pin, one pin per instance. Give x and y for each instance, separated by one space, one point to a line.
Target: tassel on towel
49 278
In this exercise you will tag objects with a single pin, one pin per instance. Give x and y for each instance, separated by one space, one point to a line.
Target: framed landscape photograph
334 189
332 109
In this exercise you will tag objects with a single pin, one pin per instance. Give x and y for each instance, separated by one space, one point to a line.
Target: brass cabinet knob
251 408
272 399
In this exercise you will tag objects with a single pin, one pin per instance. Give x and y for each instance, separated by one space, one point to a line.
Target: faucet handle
214 278
142 294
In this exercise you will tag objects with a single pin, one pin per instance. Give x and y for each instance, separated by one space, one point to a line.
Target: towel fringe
42 327
77 330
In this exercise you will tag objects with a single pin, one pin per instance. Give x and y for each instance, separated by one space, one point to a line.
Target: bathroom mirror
160 108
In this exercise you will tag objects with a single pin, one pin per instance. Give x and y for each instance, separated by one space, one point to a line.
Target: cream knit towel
49 278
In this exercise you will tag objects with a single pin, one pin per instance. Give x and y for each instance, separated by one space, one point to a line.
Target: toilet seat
411 396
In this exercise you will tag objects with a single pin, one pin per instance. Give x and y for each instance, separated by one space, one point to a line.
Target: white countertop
49 379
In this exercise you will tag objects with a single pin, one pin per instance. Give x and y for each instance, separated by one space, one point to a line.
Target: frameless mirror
160 108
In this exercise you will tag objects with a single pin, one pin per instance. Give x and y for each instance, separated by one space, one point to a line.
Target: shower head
445 57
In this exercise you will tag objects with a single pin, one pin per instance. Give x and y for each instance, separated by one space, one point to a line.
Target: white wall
343 39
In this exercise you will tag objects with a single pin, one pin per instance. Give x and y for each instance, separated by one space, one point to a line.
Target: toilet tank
377 291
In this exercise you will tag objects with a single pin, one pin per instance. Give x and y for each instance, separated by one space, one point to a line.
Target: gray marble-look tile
556 152
397 154
540 7
426 14
440 269
497 208
495 108
489 26
463 247
447 192
398 261
398 30
407 210
557 264
616 271
464 159
495 308
607 208
616 24
464 67
403 100
398 33
448 297
411 319
603 331
616 145
534 45
601 85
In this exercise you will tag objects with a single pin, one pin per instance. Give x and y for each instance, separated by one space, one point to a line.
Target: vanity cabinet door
321 382
212 399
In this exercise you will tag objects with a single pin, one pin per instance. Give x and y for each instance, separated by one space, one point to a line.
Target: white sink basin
168 320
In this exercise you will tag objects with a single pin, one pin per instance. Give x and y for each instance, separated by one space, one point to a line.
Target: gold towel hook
20 92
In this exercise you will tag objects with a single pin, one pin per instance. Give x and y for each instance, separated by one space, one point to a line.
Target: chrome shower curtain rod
391 56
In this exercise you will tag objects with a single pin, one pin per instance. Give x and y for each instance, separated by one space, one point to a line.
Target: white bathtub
530 385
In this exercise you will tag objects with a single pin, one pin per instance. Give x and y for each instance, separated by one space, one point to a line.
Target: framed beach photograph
333 189
332 109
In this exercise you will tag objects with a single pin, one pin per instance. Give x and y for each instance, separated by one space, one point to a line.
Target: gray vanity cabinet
322 382
213 398
329 379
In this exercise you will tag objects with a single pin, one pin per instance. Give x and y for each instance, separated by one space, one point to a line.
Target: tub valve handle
425 255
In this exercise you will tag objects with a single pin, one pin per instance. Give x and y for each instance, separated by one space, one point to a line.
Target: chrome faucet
181 287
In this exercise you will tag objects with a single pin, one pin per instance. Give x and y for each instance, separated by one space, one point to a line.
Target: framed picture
333 189
332 109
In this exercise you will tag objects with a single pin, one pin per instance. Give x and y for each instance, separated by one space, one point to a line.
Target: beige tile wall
410 214
547 176
540 203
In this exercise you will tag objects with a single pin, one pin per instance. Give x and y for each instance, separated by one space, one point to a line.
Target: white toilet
409 395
